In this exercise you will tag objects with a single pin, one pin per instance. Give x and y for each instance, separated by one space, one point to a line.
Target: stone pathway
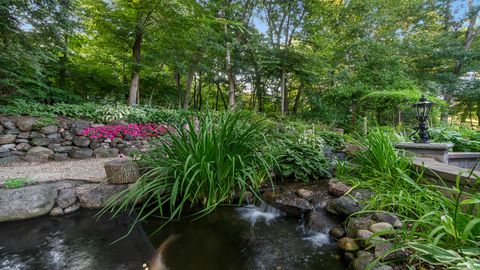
86 169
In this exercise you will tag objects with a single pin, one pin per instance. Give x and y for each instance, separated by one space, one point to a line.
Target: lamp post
422 111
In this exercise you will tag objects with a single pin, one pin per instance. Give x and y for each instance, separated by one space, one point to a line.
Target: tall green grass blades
200 165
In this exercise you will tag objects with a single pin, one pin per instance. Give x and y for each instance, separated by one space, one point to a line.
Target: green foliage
332 139
17 182
200 166
464 140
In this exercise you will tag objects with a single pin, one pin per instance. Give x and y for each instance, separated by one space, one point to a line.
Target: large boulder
7 138
26 123
337 188
66 197
79 125
80 153
81 141
7 123
6 147
343 206
27 202
288 203
41 141
63 149
38 154
96 195
105 152
50 129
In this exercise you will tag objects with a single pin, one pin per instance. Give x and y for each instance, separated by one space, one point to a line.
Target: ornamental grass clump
199 165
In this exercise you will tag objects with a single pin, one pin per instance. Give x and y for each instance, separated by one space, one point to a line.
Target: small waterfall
254 213
318 239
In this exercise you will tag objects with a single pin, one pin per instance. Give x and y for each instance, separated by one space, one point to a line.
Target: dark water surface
229 238
76 241
245 238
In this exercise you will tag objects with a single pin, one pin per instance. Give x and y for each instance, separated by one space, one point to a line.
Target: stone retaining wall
20 139
466 160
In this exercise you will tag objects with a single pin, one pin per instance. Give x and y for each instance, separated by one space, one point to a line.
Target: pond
249 237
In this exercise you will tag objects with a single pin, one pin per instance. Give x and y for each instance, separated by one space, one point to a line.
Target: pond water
230 238
245 238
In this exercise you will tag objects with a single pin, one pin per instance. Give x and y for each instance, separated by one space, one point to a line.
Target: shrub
200 165
17 182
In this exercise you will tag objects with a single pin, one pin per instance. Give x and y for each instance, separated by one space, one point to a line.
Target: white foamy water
254 213
318 239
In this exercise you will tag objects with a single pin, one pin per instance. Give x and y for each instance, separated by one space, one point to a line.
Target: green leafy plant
17 182
303 158
199 166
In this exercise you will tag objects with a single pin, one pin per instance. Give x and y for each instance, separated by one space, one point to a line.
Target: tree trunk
200 99
187 89
194 92
282 92
219 89
177 78
134 85
297 99
63 63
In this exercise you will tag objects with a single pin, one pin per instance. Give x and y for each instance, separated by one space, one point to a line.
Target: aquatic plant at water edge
200 165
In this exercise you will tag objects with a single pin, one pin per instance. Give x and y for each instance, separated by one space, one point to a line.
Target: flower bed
129 131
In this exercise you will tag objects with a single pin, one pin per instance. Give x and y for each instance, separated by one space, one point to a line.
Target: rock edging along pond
365 238
22 138
56 199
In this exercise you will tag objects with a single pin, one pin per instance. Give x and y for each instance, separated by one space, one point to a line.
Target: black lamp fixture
422 111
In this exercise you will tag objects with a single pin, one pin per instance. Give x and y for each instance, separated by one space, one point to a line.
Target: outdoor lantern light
422 111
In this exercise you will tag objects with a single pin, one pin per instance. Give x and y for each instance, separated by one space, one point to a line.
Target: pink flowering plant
130 131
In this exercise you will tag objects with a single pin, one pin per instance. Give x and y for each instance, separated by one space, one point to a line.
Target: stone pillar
437 151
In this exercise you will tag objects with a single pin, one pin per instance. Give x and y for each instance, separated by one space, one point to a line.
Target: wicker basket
121 171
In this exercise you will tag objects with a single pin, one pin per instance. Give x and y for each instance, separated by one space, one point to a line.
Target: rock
55 137
81 141
36 135
54 145
66 197
362 262
26 202
66 143
50 129
7 123
292 206
364 238
105 152
56 211
381 227
352 149
26 123
8 159
19 153
8 138
385 251
23 146
1 128
343 206
38 154
247 197
304 193
392 219
63 149
23 135
71 209
60 156
319 221
81 153
40 141
79 125
337 232
66 135
118 123
5 153
13 131
95 195
337 188
94 144
348 244
362 195
349 256
6 147
358 223
127 151
22 140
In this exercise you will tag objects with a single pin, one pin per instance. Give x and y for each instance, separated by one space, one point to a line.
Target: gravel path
87 169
